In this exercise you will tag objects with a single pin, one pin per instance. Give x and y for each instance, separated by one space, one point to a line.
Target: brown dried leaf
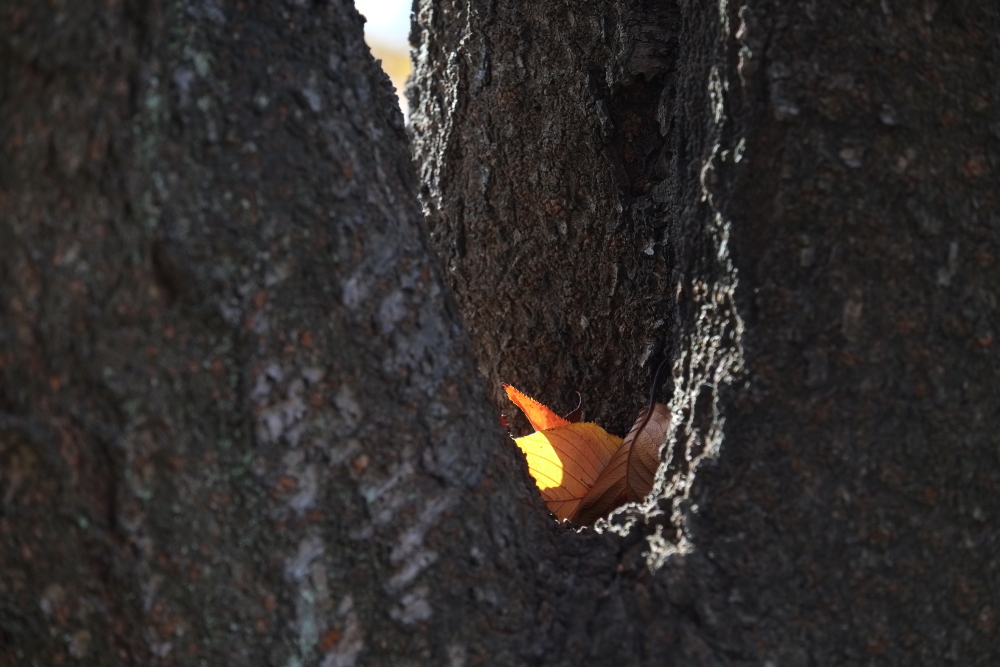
629 474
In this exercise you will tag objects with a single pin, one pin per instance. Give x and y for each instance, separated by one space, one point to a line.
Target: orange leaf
566 460
630 472
540 416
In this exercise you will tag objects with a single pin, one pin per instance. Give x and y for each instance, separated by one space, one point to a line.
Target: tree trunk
546 189
240 422
798 203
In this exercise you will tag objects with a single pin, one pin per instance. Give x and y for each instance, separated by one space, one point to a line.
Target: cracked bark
240 422
816 182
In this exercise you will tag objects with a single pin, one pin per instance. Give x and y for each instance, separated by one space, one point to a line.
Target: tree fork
826 329
240 422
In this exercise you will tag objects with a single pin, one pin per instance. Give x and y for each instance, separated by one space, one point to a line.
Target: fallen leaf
565 461
540 416
582 471
628 476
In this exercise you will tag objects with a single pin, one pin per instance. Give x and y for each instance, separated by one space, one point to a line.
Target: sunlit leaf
565 461
540 416
582 471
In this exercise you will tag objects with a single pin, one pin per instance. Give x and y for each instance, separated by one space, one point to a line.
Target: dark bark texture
240 422
544 169
237 409
817 182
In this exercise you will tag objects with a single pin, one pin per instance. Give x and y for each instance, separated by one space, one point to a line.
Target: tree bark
240 422
823 245
538 136
239 417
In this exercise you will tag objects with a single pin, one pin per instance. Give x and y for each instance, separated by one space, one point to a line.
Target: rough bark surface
543 167
827 234
238 417
853 513
240 422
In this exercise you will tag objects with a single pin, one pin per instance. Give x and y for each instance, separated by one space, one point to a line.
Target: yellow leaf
582 471
565 461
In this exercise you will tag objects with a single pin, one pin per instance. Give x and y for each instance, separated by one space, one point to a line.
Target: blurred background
387 34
